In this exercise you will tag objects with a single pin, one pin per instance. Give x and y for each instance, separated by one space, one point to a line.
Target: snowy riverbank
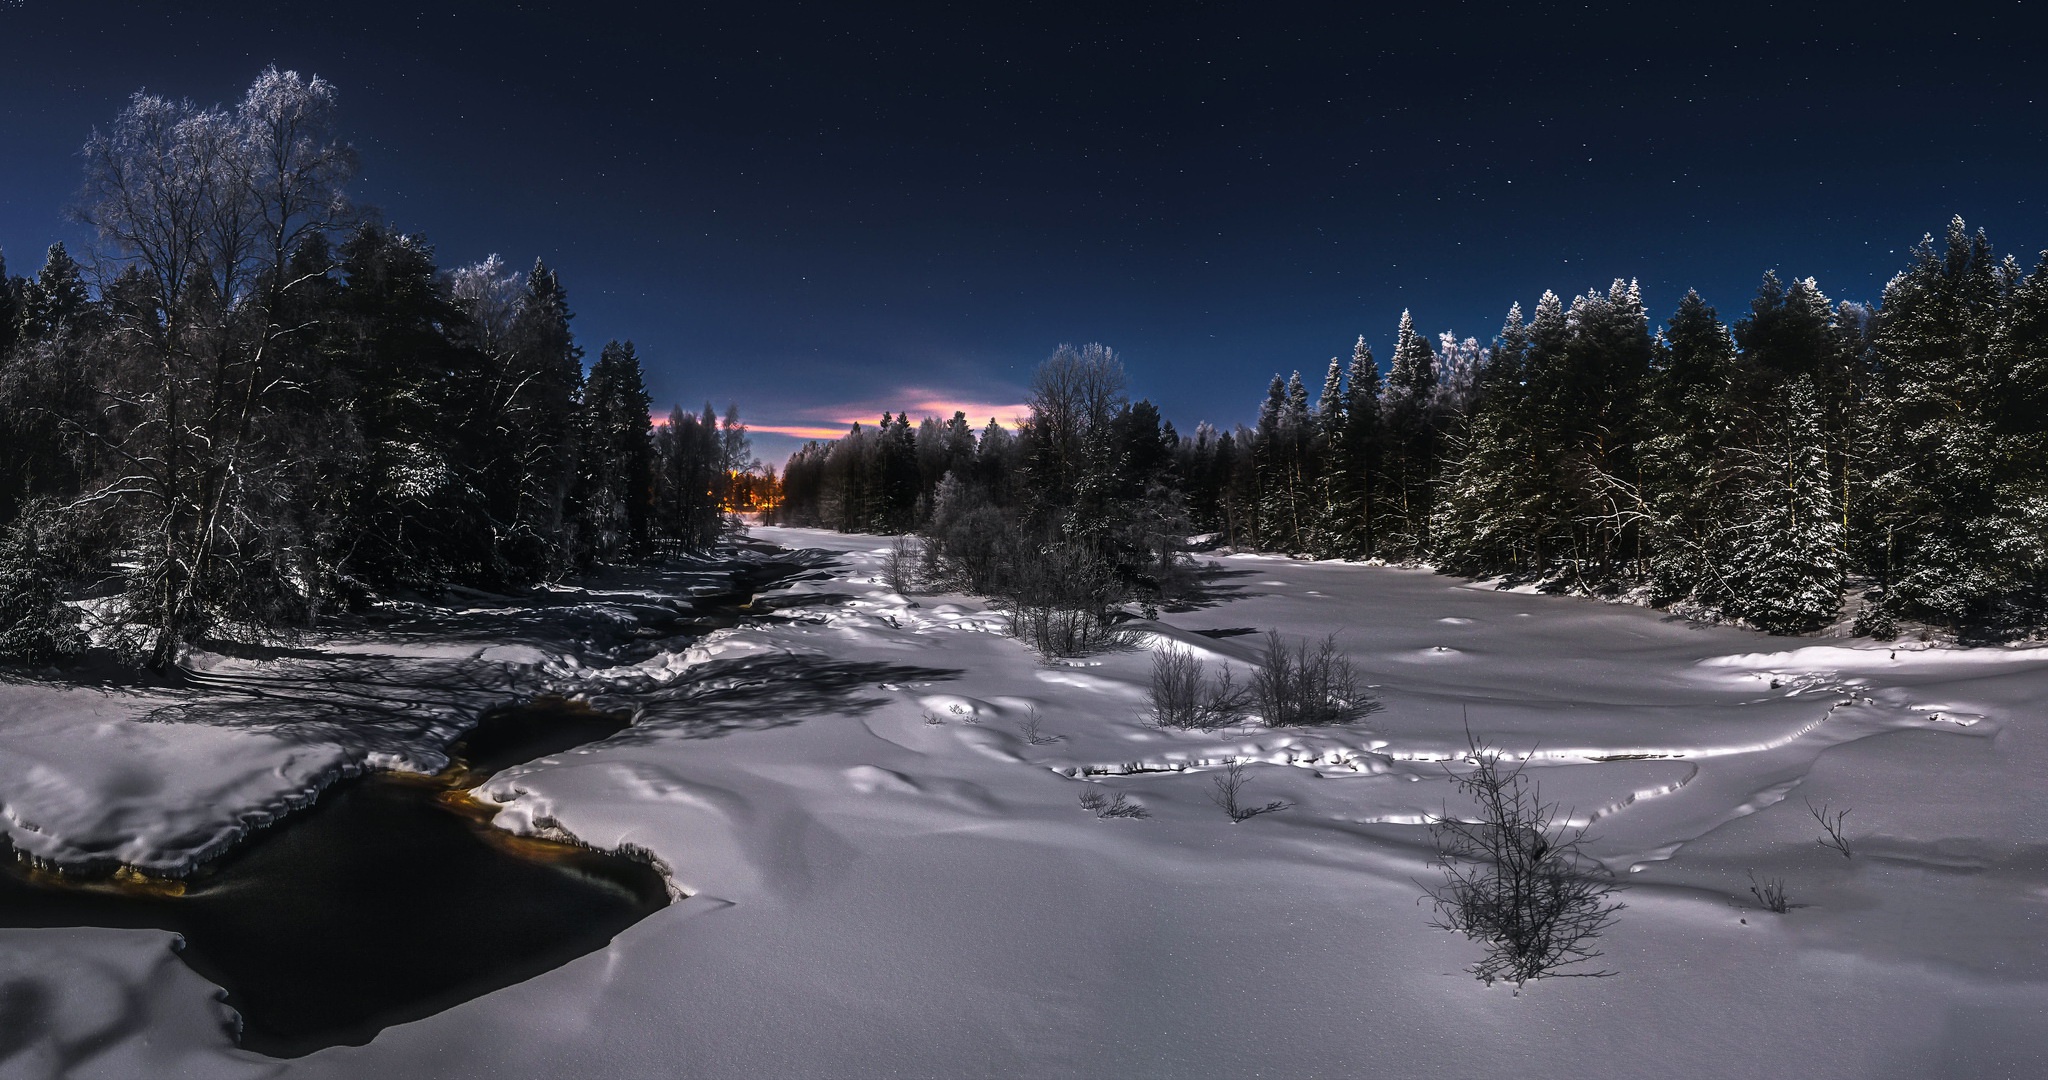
888 877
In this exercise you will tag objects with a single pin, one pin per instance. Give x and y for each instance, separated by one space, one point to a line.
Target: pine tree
616 478
1688 419
10 312
1492 513
534 464
1928 539
1410 455
1785 566
1358 453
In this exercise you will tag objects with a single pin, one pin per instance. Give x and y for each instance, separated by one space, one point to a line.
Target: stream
388 900
391 898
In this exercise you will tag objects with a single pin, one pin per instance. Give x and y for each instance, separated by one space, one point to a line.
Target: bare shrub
1031 727
1058 631
1176 687
1296 687
1063 600
1770 892
1183 697
1228 785
1104 807
1831 826
900 567
1517 880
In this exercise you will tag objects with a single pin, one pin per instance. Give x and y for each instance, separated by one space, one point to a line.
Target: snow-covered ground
888 878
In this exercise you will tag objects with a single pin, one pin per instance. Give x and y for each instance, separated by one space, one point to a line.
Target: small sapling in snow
1031 727
1229 785
1831 826
1770 892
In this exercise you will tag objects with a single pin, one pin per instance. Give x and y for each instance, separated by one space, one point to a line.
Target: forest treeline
1764 470
253 402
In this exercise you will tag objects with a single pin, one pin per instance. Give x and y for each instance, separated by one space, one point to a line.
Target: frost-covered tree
1690 421
1935 518
1410 421
1356 451
1785 559
200 210
35 626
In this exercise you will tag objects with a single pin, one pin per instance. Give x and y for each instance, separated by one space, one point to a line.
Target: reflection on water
388 901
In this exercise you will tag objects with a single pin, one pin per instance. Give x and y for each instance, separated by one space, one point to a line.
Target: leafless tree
1073 392
1032 727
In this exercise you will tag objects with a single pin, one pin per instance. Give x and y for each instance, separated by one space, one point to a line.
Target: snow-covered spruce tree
1410 422
616 480
1934 510
1328 524
1784 543
47 398
1594 393
1482 518
1357 453
1286 492
689 479
404 499
35 627
10 307
533 471
1689 419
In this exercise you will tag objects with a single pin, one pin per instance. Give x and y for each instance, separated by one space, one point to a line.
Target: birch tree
198 211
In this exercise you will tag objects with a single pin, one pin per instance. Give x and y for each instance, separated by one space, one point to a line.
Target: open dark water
389 900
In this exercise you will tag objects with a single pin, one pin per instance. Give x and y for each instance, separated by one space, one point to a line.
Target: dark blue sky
824 210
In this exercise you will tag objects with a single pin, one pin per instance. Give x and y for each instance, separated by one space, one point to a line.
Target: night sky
820 211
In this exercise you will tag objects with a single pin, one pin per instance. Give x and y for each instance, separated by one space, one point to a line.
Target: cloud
831 421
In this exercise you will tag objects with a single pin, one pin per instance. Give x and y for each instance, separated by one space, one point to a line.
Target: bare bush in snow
900 567
1032 729
1770 892
1104 807
1184 697
1296 687
1831 827
1516 879
1225 795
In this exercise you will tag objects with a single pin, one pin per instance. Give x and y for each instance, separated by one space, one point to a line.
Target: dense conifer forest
254 402
1810 461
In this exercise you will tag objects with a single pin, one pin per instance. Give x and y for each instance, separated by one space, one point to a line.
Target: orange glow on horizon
801 431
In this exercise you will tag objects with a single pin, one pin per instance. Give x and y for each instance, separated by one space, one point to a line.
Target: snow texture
888 877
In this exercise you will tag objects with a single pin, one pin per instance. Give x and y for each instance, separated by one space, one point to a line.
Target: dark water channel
389 900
